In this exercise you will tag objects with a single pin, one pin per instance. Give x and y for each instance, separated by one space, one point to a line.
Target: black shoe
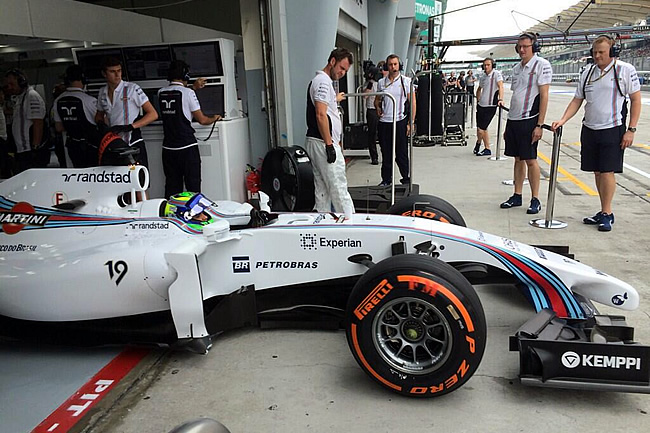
405 181
374 162
384 183
535 206
477 147
513 201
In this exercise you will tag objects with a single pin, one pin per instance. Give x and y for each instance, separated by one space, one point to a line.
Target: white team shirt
128 99
525 86
400 93
603 100
370 100
322 90
190 101
489 85
28 106
89 103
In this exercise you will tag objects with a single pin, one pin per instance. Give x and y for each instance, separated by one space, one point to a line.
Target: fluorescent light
4 46
52 41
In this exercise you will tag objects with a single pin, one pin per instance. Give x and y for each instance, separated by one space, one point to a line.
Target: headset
614 49
74 73
494 64
179 69
533 37
385 65
21 78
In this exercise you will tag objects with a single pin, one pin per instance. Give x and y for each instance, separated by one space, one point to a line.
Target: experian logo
573 360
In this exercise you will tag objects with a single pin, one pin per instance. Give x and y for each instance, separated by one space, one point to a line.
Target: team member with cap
119 104
324 136
531 79
604 135
180 154
399 87
28 119
489 95
74 113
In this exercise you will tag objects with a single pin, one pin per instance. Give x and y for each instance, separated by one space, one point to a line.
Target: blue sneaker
535 206
513 201
485 152
595 220
606 221
384 183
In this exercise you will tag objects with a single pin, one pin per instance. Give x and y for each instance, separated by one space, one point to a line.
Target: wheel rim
412 335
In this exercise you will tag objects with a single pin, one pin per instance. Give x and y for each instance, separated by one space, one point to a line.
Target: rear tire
416 326
428 207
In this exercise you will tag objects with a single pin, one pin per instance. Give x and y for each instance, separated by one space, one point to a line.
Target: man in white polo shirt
119 104
604 135
531 79
399 86
489 96
323 141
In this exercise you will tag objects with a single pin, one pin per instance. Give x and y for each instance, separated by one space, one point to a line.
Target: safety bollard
548 222
497 154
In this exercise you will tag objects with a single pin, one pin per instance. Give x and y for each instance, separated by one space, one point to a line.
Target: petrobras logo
573 360
241 265
101 177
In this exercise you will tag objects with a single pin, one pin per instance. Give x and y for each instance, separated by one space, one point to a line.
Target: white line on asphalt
636 170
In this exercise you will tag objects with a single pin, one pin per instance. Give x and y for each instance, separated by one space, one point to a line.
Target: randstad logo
570 359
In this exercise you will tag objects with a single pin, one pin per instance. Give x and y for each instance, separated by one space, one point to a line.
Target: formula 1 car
82 260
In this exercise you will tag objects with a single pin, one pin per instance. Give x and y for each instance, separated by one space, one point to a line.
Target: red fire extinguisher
253 181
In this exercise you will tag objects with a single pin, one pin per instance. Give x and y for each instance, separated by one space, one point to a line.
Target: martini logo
21 215
570 359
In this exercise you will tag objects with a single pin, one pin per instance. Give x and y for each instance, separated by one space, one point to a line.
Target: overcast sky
495 19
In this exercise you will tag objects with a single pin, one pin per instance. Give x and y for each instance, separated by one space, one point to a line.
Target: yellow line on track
568 175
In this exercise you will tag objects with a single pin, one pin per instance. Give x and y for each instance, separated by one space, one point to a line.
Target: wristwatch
538 126
631 129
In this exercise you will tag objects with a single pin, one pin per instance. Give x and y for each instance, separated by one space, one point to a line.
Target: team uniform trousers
182 166
372 119
330 183
385 130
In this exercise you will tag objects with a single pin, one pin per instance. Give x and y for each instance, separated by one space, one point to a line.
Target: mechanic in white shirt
604 136
489 96
399 86
119 104
323 141
74 113
28 119
531 79
180 154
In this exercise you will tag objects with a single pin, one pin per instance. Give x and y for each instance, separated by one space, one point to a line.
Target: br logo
570 359
241 264
21 214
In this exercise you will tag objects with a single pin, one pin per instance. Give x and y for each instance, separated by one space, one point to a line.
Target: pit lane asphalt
307 381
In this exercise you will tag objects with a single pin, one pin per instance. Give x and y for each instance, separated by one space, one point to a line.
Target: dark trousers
385 130
80 153
24 161
182 167
372 119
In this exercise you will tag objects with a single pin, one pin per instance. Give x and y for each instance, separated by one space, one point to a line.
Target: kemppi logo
573 360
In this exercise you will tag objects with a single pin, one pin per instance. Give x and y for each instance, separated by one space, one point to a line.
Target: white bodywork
102 260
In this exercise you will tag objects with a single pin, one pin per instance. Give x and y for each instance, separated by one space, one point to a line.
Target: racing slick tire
416 326
428 207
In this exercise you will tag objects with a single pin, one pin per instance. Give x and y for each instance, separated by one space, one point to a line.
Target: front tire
428 207
416 326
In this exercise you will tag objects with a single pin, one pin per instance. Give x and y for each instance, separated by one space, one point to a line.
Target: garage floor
307 381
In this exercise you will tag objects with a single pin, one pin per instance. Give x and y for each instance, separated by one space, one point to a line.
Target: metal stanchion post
497 154
548 223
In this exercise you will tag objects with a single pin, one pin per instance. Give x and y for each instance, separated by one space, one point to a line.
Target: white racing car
82 260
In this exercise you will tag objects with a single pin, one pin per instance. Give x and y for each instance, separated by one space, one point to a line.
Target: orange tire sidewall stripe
355 342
